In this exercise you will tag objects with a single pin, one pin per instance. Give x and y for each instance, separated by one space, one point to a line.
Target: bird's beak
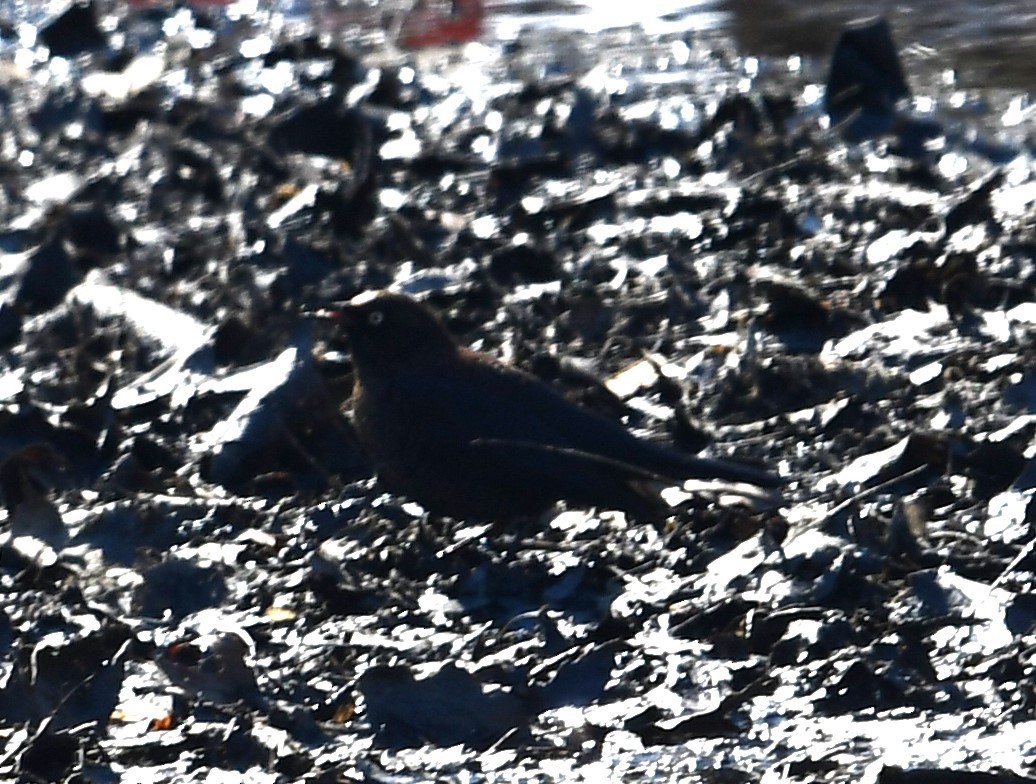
323 314
342 313
347 314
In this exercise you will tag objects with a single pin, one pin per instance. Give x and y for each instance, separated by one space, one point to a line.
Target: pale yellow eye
375 318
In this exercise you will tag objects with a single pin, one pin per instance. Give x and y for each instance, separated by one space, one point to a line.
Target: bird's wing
471 402
578 477
529 411
601 475
546 457
479 400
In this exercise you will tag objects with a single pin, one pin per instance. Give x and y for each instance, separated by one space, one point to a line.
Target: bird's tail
728 470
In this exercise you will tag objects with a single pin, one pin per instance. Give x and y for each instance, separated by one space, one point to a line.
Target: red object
424 26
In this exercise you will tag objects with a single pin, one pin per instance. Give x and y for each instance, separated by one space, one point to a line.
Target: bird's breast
389 423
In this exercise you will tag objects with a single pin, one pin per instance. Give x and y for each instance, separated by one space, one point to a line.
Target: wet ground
200 577
986 45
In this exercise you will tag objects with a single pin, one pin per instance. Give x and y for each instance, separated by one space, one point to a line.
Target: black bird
469 437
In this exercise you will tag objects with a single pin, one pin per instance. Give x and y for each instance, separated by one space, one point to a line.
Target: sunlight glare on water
597 15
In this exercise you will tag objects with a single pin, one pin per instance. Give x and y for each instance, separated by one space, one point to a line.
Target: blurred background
985 44
991 44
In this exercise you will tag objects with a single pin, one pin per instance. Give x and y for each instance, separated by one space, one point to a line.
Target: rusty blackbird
469 437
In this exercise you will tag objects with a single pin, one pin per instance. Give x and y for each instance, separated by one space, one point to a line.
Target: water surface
989 44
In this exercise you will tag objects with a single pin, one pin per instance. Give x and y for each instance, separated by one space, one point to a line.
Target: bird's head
386 329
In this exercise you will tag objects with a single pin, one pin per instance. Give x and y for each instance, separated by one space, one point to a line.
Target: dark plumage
469 437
